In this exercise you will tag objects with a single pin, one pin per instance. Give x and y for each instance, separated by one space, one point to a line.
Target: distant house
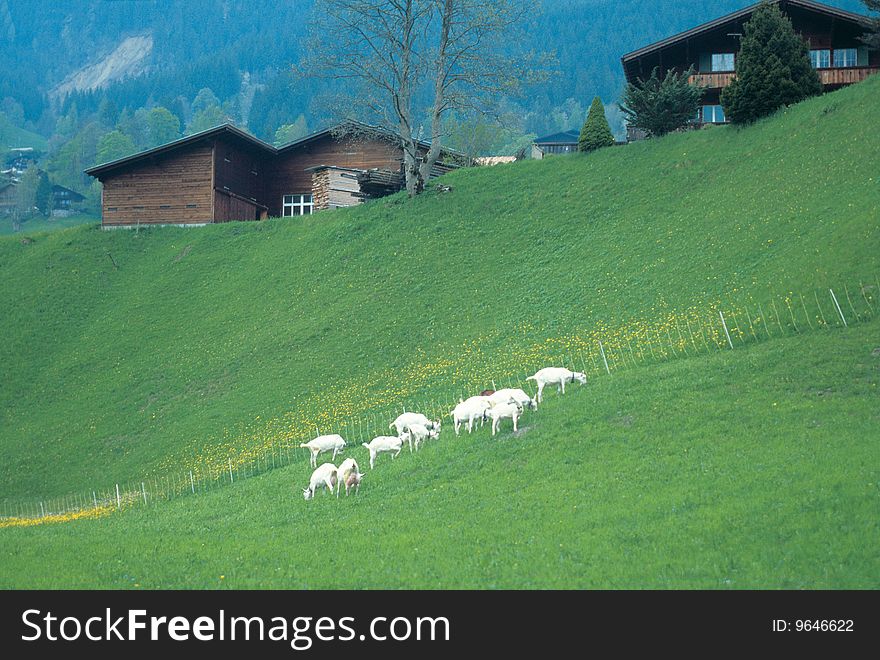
565 142
833 36
7 197
225 174
64 200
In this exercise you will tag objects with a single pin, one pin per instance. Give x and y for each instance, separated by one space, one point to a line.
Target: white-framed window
297 205
821 58
713 114
844 57
723 62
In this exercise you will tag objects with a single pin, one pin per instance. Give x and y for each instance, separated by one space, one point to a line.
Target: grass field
129 355
41 225
13 137
752 468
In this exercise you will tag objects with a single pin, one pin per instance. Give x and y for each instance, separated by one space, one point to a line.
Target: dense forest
90 80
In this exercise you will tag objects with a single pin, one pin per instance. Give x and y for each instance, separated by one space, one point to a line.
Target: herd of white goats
415 428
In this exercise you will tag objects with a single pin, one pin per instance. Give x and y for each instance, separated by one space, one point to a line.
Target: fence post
192 482
724 324
118 499
791 313
95 499
144 491
229 461
778 321
806 313
865 296
604 359
839 311
849 300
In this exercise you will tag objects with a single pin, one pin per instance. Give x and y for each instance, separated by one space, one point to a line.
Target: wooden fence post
724 325
839 311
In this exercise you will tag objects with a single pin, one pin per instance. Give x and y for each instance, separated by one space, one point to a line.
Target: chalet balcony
715 80
846 76
833 76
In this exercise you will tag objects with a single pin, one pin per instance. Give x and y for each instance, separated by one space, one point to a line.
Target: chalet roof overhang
232 133
809 5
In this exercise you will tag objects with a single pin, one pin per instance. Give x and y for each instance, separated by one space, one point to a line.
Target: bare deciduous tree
410 62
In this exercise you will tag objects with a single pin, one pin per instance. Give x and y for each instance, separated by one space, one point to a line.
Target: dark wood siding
819 30
242 172
175 189
288 172
228 206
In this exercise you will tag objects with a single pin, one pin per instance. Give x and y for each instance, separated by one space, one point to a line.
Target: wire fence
600 352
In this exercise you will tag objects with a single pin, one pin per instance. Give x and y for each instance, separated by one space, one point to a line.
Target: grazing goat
504 411
419 433
513 396
349 476
558 376
383 443
406 419
469 411
326 476
324 443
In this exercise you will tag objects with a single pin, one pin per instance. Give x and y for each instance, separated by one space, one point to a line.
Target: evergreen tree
43 195
661 106
108 115
596 133
773 68
872 39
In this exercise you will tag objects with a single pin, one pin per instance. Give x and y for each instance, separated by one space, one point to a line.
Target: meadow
749 469
130 356
40 225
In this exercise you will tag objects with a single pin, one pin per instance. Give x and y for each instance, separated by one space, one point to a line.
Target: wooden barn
225 174
833 36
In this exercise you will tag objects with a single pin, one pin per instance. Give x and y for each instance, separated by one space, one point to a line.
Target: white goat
326 476
350 476
469 411
510 395
504 411
324 443
419 433
383 443
558 376
406 419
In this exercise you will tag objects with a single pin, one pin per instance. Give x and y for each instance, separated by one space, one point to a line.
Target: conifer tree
596 133
773 68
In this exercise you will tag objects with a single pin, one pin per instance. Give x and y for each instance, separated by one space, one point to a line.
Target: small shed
565 142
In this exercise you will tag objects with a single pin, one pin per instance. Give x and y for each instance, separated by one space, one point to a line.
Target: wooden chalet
225 174
64 200
833 35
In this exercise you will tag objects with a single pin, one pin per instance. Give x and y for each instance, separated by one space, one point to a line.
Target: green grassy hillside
41 225
138 355
12 137
755 468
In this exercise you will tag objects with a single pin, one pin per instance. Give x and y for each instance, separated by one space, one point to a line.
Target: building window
296 205
821 59
713 114
723 62
844 57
